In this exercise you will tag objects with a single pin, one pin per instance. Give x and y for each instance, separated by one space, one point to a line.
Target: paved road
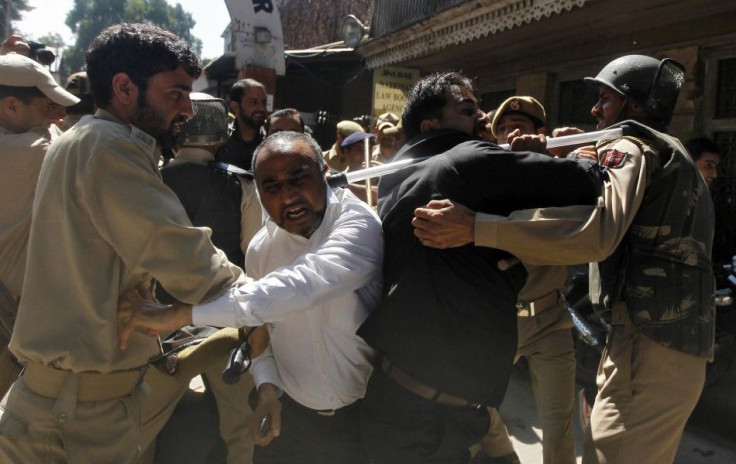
700 445
709 439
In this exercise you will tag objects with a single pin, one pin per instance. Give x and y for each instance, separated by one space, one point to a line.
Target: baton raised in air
342 179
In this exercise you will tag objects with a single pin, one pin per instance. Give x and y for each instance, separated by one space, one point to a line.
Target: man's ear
635 109
233 105
428 125
124 89
10 105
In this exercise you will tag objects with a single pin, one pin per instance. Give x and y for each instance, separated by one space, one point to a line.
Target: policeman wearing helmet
649 241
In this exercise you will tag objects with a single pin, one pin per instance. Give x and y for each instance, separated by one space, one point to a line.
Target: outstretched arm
138 310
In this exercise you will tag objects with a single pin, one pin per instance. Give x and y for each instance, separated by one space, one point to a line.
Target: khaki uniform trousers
546 341
646 393
232 406
35 429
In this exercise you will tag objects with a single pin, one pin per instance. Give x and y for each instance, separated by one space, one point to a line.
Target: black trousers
310 438
400 427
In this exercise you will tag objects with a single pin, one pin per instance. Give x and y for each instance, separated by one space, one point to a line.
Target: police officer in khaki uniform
103 224
227 204
650 240
27 94
334 156
384 152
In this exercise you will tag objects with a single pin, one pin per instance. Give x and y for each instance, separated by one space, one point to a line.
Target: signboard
258 38
390 85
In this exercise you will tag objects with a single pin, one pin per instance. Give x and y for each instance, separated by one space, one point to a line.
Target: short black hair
24 94
239 88
285 113
427 98
138 50
697 146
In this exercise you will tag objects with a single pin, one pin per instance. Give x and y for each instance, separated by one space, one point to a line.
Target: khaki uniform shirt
104 222
20 162
541 280
336 160
575 234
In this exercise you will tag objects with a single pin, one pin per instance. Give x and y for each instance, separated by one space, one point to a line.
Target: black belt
423 390
321 412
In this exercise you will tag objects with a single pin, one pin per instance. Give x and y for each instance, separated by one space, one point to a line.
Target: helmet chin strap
621 109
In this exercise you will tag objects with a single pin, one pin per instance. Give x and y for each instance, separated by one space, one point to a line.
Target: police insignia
613 159
514 105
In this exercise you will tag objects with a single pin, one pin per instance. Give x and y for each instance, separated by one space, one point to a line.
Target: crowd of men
351 334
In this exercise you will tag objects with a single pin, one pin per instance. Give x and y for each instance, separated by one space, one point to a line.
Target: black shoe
482 458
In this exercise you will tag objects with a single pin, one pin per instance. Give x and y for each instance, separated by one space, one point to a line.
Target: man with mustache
104 223
248 103
446 327
318 264
649 242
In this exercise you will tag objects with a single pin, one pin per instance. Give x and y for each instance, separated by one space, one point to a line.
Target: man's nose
596 110
187 109
289 194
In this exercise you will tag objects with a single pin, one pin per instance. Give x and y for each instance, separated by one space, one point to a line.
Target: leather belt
535 307
321 412
93 386
332 412
423 390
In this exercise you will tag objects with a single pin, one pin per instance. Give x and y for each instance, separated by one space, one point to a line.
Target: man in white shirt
318 264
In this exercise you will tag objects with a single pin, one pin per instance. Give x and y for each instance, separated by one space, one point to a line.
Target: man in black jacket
248 102
447 324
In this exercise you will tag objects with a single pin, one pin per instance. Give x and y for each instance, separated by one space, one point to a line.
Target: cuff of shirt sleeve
264 370
220 312
486 230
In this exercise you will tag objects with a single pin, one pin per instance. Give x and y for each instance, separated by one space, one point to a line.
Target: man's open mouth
295 212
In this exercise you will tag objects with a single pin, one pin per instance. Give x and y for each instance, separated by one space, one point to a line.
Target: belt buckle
524 309
326 412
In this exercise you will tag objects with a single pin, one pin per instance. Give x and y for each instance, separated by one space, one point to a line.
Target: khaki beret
528 106
346 128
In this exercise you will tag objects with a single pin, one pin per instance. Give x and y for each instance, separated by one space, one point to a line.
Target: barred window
492 100
576 100
726 89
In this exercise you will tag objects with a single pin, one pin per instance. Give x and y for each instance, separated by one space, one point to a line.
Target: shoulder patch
613 158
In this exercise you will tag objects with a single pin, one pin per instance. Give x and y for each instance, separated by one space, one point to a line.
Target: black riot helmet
650 82
209 124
